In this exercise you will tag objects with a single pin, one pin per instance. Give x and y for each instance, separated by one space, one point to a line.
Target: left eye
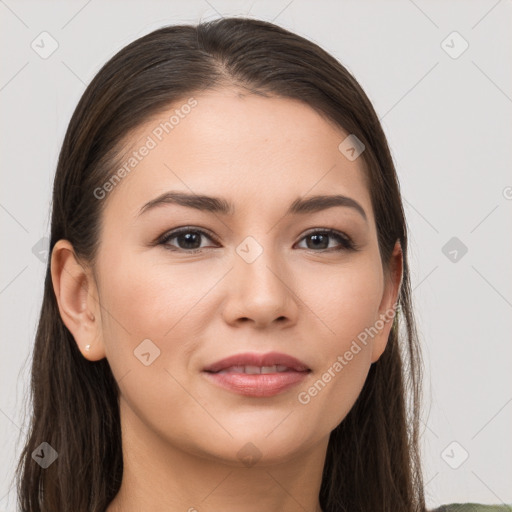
319 237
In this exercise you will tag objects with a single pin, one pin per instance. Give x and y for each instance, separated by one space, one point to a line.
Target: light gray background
448 123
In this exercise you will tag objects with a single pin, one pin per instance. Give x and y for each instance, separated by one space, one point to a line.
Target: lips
254 363
256 370
257 375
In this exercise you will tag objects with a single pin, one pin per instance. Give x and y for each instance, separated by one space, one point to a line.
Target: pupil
189 238
317 237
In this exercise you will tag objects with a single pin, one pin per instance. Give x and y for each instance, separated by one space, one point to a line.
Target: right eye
188 238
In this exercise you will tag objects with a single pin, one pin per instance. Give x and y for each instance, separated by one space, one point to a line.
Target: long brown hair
373 456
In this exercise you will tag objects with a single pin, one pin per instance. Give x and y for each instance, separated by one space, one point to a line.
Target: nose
261 292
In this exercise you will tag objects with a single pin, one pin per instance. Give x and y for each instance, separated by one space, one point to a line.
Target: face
263 277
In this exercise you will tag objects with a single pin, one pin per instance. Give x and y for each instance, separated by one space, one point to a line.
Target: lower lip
257 385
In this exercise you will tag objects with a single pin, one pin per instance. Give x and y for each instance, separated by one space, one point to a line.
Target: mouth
255 370
257 375
270 362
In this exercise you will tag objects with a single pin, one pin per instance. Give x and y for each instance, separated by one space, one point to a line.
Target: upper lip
255 359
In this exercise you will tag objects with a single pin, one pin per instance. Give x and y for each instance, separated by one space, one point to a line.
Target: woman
219 327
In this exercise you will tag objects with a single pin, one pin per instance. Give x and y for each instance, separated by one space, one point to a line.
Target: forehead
257 152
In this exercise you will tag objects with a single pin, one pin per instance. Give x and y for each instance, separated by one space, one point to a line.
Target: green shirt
473 507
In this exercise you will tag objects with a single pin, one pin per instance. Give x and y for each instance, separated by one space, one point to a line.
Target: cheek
332 394
345 303
147 300
144 302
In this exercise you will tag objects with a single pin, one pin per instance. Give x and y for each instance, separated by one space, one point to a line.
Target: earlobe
388 307
77 300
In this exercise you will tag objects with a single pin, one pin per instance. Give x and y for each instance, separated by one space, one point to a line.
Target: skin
181 433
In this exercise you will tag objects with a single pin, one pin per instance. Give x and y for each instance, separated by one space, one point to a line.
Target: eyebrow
219 205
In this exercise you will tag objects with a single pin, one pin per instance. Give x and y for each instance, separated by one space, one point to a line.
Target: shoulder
473 507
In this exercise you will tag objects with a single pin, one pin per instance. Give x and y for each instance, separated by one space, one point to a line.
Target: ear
388 305
78 300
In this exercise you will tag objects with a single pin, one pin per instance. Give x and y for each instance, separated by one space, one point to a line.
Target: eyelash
347 244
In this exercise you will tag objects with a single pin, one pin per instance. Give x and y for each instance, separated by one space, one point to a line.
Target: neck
161 477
